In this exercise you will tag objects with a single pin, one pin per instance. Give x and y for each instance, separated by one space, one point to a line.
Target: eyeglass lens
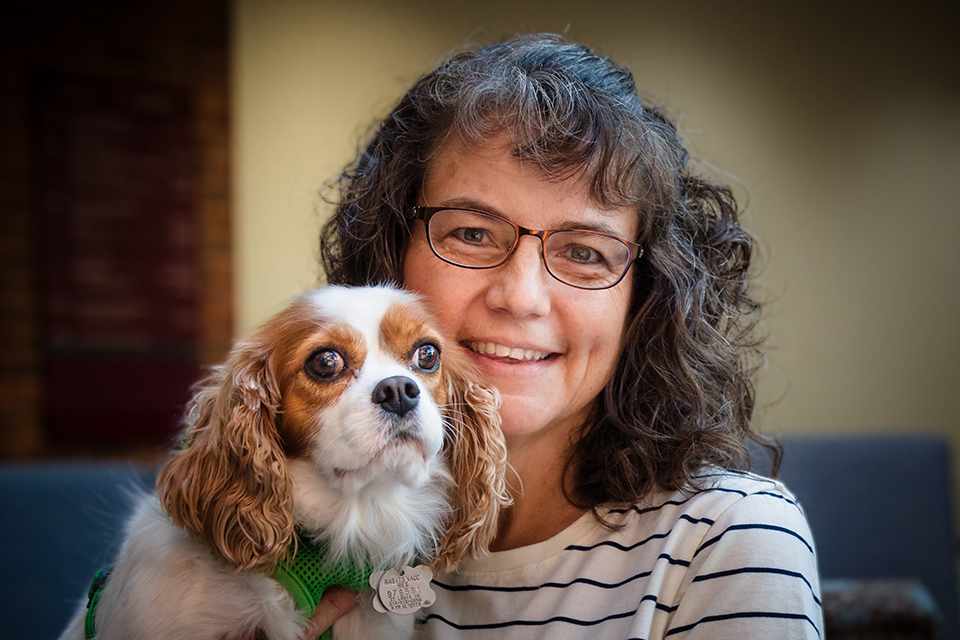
580 258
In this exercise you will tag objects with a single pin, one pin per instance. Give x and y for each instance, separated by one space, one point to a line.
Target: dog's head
348 396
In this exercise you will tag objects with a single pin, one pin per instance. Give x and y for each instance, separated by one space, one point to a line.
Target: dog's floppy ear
229 486
477 456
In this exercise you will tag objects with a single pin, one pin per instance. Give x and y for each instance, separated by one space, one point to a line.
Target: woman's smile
503 352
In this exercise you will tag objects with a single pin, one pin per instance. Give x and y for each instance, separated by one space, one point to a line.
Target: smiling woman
548 216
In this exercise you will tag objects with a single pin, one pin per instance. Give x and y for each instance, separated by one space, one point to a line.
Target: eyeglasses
478 240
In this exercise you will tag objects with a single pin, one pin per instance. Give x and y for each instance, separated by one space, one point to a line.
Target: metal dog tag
402 591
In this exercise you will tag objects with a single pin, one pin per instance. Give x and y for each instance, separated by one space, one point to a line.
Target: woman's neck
541 509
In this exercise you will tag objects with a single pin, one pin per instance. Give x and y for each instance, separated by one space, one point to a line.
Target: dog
346 423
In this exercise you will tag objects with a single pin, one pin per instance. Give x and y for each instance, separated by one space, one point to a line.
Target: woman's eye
324 365
428 357
580 253
473 235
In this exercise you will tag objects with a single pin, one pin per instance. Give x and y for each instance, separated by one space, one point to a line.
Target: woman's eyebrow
580 225
476 205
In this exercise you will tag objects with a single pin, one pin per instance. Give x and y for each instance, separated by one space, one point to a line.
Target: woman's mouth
501 351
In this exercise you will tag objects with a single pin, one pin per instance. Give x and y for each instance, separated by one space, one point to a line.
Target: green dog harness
93 599
305 576
309 574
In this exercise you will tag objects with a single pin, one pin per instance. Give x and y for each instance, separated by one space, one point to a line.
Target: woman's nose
521 286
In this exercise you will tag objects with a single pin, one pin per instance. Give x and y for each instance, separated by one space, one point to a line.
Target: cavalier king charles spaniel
346 423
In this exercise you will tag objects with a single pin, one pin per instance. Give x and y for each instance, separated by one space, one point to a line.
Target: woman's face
570 338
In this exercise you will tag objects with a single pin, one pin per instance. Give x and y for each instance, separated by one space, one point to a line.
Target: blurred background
162 163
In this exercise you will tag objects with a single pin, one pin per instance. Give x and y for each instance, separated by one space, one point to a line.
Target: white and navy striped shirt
734 561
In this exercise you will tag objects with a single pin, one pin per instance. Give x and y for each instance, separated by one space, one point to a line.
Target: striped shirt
733 561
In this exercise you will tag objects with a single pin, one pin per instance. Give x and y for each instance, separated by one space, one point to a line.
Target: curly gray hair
682 393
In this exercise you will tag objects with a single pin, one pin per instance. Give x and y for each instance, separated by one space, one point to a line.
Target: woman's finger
334 603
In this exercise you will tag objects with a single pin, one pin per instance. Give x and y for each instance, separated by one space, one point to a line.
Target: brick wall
174 43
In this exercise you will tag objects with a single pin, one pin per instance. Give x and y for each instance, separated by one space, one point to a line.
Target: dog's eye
324 364
428 357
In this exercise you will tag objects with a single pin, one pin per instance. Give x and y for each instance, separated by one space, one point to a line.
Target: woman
619 335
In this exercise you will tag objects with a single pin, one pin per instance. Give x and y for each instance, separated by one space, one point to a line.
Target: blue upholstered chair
61 522
880 508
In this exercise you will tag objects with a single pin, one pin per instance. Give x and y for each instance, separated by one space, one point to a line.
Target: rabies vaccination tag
402 591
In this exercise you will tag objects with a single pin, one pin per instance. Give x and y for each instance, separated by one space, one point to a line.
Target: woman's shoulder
714 492
722 501
735 533
731 519
744 491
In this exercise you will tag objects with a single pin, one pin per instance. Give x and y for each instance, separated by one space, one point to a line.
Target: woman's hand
334 604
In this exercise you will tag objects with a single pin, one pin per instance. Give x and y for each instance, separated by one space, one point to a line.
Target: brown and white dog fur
335 420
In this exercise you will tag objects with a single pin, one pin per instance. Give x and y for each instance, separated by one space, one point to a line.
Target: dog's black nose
396 394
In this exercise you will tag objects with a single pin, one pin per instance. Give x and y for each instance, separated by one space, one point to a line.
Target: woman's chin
527 420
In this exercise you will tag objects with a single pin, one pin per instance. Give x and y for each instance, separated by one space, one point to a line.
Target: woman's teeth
493 349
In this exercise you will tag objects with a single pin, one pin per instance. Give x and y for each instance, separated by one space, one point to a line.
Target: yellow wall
841 130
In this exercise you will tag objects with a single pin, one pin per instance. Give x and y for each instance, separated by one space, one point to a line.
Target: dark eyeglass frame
426 213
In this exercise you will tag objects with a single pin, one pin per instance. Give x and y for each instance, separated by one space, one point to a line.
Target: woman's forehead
489 177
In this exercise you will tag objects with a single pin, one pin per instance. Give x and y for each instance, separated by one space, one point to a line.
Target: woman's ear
229 486
477 456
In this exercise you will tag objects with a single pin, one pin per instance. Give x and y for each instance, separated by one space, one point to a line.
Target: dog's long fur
272 447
